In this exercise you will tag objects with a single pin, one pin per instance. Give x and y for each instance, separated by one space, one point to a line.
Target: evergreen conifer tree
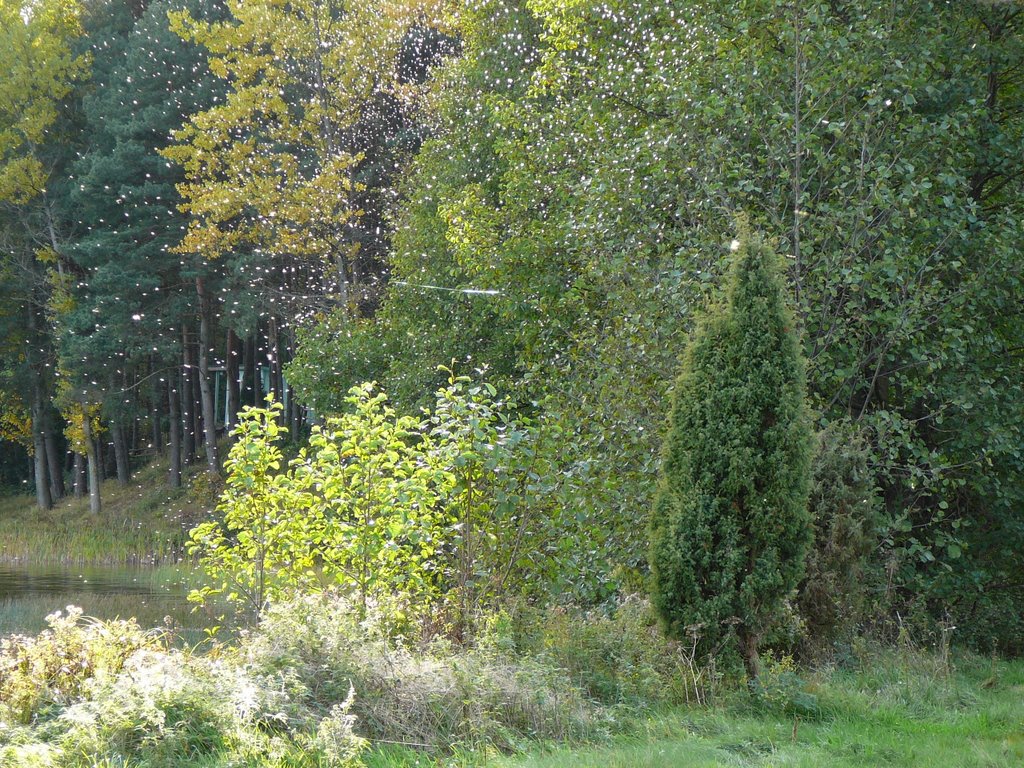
730 524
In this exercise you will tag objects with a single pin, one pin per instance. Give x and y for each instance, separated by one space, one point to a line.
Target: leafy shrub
781 689
845 507
159 707
54 668
262 548
165 708
414 512
617 656
436 695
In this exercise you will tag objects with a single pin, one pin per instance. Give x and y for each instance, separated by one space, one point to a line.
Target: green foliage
36 52
619 656
843 560
730 527
376 498
146 81
54 668
581 174
320 647
780 688
109 694
437 515
263 547
485 455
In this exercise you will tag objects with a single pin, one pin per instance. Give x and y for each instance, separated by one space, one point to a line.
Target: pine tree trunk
188 440
273 341
78 475
108 458
53 462
92 455
257 373
174 433
156 406
197 404
232 388
245 373
121 464
40 470
206 391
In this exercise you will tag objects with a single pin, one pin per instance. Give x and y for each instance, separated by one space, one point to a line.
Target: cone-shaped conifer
730 524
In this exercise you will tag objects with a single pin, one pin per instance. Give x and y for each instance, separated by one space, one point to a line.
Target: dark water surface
30 593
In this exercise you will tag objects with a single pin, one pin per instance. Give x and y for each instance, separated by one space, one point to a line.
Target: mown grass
894 709
144 523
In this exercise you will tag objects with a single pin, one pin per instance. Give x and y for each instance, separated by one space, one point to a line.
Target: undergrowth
315 686
144 523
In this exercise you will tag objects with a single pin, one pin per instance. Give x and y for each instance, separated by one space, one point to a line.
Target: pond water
152 595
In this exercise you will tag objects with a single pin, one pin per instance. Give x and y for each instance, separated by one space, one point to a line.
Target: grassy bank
894 709
318 686
143 523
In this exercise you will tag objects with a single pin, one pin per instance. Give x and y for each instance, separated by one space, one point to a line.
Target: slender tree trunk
188 441
78 475
232 388
206 391
276 370
257 369
245 372
294 416
53 461
108 458
121 464
273 341
92 454
38 414
749 643
156 406
40 470
174 433
197 404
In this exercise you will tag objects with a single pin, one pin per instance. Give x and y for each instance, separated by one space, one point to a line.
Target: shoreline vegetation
143 524
312 686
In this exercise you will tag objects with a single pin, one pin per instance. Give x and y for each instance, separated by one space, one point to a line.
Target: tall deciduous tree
730 524
882 143
273 168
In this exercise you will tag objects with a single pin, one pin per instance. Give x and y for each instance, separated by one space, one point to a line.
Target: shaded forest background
205 203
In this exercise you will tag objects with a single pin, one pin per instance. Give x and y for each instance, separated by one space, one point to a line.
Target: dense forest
533 227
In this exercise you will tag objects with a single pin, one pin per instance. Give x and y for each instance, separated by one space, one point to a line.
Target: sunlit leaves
39 69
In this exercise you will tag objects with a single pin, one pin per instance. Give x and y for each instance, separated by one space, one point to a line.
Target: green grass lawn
900 710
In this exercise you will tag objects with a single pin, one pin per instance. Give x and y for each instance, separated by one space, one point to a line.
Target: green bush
781 689
434 695
437 516
846 511
163 708
730 527
53 669
618 656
